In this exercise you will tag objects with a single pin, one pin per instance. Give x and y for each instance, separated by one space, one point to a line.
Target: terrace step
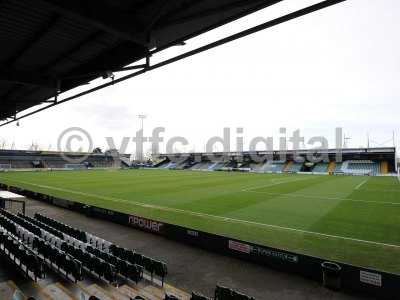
156 292
58 291
9 291
100 293
119 293
177 292
129 290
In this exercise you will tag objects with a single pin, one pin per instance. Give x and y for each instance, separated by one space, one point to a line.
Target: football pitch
353 219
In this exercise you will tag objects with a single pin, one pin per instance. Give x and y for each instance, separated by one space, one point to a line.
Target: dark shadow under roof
50 45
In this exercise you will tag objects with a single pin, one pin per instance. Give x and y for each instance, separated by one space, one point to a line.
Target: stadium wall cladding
356 279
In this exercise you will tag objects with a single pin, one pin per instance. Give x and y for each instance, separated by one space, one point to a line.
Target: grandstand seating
19 253
174 165
218 166
18 159
294 167
338 168
36 244
355 167
361 167
30 244
169 165
265 166
256 167
128 263
321 168
203 166
276 166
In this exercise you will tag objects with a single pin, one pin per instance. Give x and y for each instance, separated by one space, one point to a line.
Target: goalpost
75 166
5 167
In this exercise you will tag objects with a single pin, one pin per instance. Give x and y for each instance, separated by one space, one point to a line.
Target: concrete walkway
193 269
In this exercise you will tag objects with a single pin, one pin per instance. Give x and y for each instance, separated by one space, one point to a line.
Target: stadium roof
52 46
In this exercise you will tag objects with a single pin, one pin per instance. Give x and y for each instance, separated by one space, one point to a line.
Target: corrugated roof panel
59 39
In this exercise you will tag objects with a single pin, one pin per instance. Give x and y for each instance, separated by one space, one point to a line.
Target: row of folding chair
53 236
98 243
128 270
94 264
20 251
47 245
66 229
76 250
59 258
42 225
152 266
27 225
25 235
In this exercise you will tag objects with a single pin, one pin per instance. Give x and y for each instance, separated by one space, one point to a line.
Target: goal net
5 166
75 166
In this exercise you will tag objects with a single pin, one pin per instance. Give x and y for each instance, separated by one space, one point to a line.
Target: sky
339 67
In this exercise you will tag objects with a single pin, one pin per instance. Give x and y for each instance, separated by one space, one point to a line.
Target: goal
75 166
5 167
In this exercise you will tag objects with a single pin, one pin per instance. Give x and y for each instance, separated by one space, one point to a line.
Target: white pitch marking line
361 184
324 198
272 184
216 217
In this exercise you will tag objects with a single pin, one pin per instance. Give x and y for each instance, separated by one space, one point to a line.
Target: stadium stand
256 167
217 166
363 161
294 167
129 263
320 168
202 166
19 159
380 163
338 168
55 46
275 167
169 165
36 245
182 164
361 167
31 245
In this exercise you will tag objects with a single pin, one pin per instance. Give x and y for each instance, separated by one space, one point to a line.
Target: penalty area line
274 183
361 184
323 198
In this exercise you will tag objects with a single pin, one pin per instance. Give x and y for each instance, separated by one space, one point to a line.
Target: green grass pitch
350 219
